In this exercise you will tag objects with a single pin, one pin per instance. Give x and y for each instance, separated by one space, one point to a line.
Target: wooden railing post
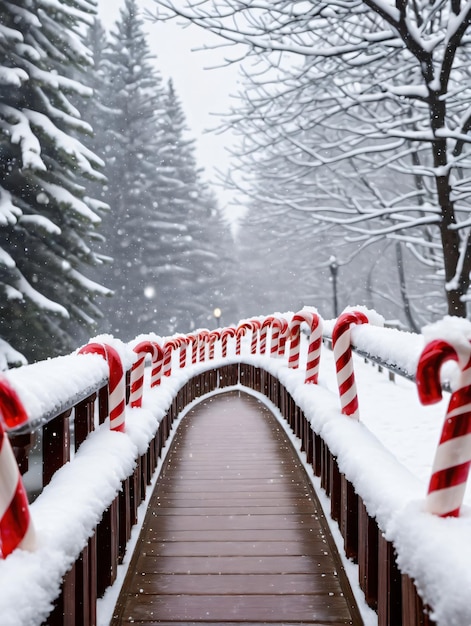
335 490
414 613
84 415
107 548
21 445
389 584
349 518
56 445
368 555
63 612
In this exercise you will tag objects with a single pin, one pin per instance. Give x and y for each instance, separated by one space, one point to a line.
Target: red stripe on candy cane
341 340
116 382
452 460
16 528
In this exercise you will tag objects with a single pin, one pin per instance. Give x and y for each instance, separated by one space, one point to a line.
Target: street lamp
334 268
217 315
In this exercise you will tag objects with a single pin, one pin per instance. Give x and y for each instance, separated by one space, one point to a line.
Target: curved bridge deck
234 533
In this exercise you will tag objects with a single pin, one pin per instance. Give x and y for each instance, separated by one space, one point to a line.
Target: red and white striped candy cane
214 335
230 331
137 371
184 341
157 365
116 382
277 325
16 528
241 331
169 347
266 324
193 341
255 331
341 340
203 336
283 336
453 456
315 341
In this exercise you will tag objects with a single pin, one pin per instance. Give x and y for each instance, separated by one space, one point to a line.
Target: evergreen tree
128 139
164 231
47 222
193 252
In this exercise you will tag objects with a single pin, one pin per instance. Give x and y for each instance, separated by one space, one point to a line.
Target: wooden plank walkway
234 533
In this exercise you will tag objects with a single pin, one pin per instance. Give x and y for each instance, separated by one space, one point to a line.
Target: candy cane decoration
240 332
453 456
169 347
283 336
116 382
137 371
184 341
315 341
341 339
266 324
16 528
193 340
277 326
230 331
255 330
214 335
203 336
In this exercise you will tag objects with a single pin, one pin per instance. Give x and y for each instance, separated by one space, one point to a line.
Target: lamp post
334 268
217 316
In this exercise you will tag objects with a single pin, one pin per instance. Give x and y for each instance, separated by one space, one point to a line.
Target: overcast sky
204 92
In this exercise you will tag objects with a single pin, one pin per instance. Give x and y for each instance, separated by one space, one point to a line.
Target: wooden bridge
233 532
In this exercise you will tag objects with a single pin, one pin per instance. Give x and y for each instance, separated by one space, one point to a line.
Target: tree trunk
403 289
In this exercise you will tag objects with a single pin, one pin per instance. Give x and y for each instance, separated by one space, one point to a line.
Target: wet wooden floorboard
234 533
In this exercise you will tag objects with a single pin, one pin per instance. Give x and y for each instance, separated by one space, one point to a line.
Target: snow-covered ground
387 455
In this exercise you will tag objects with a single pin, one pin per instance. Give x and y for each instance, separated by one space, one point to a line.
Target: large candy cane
266 324
203 337
315 341
278 326
255 331
116 382
16 528
137 371
283 336
168 349
193 340
242 329
343 361
453 456
230 331
214 335
184 341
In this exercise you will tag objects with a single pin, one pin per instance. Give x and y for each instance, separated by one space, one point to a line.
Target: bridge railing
75 431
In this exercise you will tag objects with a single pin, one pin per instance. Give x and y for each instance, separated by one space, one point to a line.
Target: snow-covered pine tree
194 253
46 221
128 139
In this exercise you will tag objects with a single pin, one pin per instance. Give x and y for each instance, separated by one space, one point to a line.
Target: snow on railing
52 388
